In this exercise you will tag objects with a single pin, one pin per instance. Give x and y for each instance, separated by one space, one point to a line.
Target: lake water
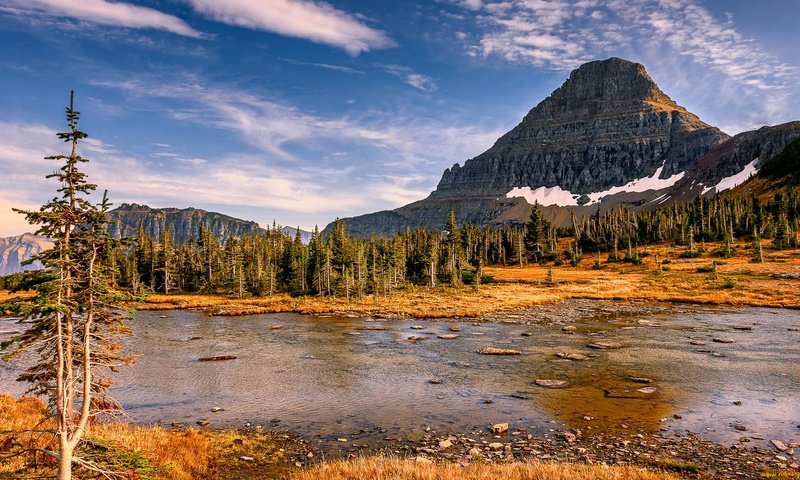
331 376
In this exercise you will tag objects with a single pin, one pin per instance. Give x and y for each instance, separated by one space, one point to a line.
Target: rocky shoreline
687 455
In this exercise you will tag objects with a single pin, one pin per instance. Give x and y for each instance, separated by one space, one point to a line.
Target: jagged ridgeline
184 223
608 137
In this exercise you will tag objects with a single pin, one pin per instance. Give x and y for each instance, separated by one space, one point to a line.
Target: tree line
340 265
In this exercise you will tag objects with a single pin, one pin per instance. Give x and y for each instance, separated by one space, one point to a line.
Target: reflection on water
331 376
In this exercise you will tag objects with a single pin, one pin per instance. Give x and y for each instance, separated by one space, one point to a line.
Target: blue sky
302 111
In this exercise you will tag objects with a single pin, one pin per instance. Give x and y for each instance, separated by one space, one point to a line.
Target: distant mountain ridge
15 250
184 222
607 137
125 220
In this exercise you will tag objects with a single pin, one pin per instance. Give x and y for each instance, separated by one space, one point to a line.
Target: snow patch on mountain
734 180
545 196
639 185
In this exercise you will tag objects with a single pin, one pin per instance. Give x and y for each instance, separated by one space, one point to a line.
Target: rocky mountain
125 220
607 136
185 223
15 250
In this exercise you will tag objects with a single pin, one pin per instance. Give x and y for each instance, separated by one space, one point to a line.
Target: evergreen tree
73 323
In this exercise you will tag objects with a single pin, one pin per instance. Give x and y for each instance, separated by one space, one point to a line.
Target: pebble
448 336
569 329
445 444
455 328
245 458
724 340
496 446
216 409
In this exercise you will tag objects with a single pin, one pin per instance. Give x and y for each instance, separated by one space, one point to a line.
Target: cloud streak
103 12
408 75
562 34
315 21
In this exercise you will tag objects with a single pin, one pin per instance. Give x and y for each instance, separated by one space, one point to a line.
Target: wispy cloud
389 157
311 20
102 12
415 79
326 66
692 31
562 34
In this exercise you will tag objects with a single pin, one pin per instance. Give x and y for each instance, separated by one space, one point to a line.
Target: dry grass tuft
375 468
180 455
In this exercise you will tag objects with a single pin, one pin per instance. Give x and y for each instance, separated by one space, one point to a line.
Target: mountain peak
601 88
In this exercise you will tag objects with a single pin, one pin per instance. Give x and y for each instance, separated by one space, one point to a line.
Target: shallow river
331 376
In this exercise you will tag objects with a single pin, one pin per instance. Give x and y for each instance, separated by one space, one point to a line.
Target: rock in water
779 445
578 357
498 351
499 428
448 336
217 358
640 379
605 345
724 340
551 383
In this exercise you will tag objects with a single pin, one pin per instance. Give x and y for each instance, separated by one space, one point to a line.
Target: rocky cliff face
185 223
607 125
15 250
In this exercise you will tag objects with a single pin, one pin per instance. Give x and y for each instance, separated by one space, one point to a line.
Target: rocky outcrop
15 250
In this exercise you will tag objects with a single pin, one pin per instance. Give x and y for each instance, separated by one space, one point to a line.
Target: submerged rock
455 328
448 336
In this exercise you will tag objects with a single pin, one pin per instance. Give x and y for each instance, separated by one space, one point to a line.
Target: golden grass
738 282
5 295
375 468
179 455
